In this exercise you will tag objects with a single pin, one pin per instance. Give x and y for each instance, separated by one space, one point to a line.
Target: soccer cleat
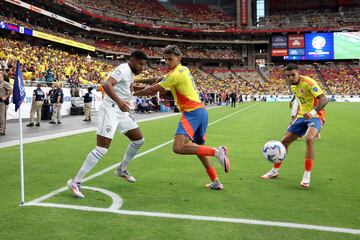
52 122
75 188
215 185
270 174
124 174
305 182
223 159
30 125
37 125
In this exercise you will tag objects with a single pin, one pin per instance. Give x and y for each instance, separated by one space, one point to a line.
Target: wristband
313 112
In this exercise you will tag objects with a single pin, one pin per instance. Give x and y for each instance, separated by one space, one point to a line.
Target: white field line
200 218
117 201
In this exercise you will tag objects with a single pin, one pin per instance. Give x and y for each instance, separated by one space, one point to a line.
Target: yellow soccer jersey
306 92
182 86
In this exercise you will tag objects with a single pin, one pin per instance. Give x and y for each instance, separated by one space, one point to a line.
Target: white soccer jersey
124 77
110 116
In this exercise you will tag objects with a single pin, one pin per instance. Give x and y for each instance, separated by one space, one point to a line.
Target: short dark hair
172 49
291 66
139 55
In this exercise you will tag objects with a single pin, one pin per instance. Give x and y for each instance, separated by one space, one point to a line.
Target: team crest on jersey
315 89
302 91
108 129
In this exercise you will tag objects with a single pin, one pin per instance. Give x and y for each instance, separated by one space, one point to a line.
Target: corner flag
19 89
18 97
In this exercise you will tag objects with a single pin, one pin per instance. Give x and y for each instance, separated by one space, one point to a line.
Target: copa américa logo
318 42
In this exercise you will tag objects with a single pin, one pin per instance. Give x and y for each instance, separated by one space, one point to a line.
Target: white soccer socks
130 153
92 158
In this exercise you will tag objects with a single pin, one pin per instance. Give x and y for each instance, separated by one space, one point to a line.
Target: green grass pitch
170 183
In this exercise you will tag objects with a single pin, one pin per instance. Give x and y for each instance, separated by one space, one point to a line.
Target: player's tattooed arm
322 101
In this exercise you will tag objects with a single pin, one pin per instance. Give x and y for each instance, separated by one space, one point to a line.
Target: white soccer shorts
111 118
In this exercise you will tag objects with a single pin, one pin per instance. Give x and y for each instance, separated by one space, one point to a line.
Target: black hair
138 55
291 66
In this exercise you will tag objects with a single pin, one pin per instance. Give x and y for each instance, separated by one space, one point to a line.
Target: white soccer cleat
305 182
270 174
215 185
75 188
124 174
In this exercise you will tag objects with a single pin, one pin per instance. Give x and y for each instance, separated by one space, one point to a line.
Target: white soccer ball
274 151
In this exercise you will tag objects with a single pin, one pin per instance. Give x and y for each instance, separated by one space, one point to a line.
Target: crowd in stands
311 18
233 81
276 78
155 13
200 53
337 79
107 45
47 65
202 13
340 79
189 52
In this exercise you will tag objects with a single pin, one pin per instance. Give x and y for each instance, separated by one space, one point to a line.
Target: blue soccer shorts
193 124
300 125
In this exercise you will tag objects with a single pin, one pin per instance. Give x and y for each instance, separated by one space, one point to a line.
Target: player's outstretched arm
109 90
150 80
149 91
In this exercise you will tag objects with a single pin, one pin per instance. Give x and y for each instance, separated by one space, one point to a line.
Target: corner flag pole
18 98
21 161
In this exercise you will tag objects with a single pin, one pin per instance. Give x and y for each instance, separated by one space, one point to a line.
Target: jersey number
302 100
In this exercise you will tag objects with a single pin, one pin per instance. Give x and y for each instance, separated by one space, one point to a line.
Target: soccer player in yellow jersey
310 119
190 134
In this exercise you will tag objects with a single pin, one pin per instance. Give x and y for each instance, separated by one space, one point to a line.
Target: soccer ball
274 151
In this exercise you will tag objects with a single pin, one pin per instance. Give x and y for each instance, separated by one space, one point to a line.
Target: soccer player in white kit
113 114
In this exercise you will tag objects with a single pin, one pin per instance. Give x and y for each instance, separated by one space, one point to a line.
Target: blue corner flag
19 89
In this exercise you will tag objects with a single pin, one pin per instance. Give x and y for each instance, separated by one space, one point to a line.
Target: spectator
49 76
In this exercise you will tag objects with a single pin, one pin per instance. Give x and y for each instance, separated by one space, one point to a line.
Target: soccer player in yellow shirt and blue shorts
190 134
310 119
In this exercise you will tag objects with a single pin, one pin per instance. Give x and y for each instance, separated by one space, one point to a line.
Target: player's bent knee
138 143
310 140
178 149
100 151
